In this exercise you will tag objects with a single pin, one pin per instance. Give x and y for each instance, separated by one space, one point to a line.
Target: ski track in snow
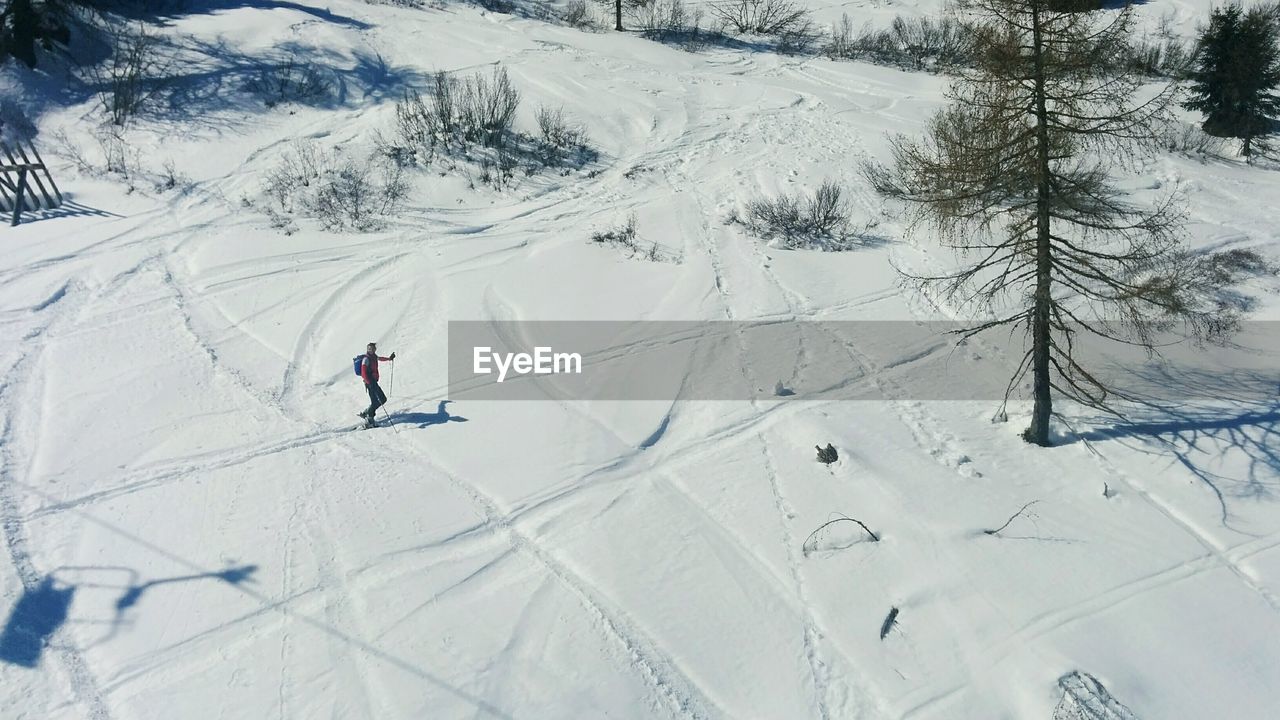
812 635
815 654
83 685
680 694
689 130
176 472
940 445
1216 552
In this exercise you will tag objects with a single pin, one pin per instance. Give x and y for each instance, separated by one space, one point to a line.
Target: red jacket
369 368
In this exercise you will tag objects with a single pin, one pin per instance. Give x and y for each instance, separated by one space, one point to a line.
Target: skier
369 373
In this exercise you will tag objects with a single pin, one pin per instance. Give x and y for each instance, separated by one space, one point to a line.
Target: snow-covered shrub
670 21
1190 139
915 43
1170 57
471 122
819 221
797 39
340 191
843 43
170 178
423 126
576 14
133 75
828 212
486 108
114 155
559 140
499 168
458 114
760 17
924 41
626 238
773 216
506 7
787 22
293 80
623 235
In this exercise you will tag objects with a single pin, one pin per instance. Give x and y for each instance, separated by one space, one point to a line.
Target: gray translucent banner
813 360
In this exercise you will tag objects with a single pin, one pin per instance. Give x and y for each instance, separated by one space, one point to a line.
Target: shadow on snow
172 9
1222 416
41 610
422 420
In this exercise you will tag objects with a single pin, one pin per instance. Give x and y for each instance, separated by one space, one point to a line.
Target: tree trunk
1038 432
22 39
617 6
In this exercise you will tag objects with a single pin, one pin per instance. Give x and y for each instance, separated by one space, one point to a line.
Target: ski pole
391 386
387 415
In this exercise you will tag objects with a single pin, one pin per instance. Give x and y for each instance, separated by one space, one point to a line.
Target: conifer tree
1237 70
1015 174
18 28
23 23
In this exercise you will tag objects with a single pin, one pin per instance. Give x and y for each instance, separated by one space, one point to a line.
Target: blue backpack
359 362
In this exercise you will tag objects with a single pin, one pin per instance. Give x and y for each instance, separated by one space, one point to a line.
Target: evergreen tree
1237 69
18 28
1015 173
23 23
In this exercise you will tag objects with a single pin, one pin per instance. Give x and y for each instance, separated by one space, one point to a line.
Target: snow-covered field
195 531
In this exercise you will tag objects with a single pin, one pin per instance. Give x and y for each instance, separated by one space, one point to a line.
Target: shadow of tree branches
1207 420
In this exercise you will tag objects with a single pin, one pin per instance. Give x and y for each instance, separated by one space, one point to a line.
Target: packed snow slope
193 530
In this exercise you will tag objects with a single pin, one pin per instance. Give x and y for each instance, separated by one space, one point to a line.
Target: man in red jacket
369 372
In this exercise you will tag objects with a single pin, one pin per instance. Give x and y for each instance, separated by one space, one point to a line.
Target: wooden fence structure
25 182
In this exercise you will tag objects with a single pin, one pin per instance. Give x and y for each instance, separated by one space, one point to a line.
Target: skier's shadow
422 420
45 607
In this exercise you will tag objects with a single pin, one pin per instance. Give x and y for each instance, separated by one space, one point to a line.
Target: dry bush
626 238
472 120
560 142
798 39
820 221
293 80
913 43
457 114
486 108
1167 58
671 21
1189 139
426 125
576 14
760 17
133 75
339 191
114 155
623 235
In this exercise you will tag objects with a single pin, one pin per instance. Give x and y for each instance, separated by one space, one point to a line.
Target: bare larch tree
618 7
1015 174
